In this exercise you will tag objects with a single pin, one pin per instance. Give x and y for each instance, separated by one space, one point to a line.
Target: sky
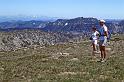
107 9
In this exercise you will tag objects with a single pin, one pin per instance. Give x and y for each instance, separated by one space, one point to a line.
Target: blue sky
113 9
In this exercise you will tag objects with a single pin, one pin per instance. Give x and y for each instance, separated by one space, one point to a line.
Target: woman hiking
94 39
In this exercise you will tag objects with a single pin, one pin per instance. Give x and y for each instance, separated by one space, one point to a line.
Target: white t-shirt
102 31
94 35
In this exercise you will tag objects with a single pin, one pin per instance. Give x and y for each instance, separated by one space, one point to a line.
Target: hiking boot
99 60
104 60
98 52
95 51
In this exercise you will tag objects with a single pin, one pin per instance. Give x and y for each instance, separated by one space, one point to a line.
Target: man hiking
103 31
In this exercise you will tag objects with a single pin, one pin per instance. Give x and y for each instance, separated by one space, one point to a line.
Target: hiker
94 39
103 31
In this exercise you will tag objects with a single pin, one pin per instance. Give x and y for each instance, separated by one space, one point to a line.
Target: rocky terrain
17 39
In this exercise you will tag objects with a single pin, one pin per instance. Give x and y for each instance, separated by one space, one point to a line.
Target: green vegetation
70 62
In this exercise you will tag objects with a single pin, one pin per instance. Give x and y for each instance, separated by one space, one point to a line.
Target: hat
103 21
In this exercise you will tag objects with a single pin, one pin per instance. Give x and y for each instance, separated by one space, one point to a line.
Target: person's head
94 29
101 22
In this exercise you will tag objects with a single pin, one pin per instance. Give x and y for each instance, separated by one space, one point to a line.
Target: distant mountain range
75 26
25 18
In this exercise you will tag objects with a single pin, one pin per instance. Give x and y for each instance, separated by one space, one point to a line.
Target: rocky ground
27 38
68 62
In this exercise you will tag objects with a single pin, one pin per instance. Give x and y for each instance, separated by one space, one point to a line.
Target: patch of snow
66 24
34 23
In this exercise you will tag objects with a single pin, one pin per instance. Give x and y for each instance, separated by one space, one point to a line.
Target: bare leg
104 52
94 49
97 47
101 49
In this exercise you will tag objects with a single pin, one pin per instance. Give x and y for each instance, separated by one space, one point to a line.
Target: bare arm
106 33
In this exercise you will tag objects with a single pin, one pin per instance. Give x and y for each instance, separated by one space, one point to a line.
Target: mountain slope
69 62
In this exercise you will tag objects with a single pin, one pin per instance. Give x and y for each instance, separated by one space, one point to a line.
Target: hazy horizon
107 9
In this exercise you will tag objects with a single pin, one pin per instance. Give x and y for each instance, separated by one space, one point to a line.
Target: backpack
91 38
109 35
